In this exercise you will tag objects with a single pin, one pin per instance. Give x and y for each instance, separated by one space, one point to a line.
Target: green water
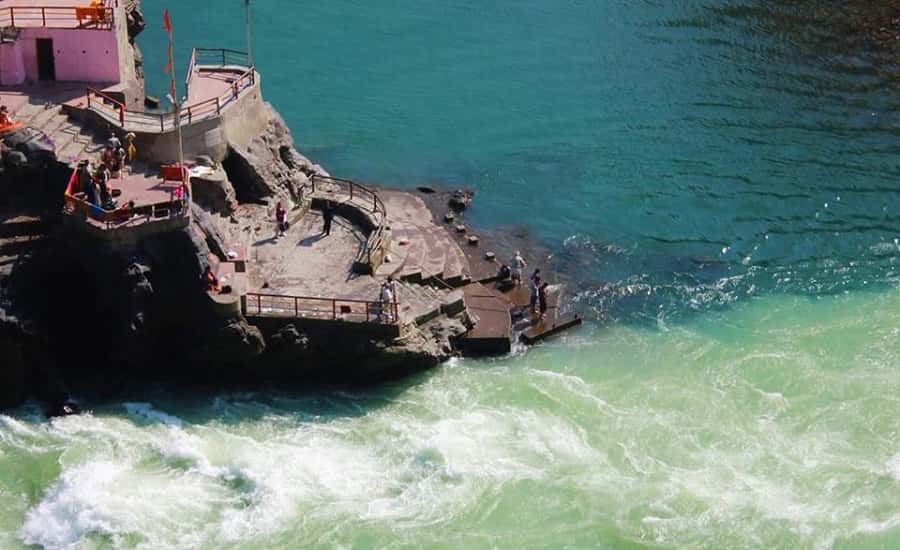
718 179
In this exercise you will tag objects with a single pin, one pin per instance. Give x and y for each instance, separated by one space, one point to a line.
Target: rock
13 374
269 166
461 199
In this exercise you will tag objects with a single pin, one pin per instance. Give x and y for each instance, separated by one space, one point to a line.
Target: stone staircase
428 255
420 304
72 140
20 235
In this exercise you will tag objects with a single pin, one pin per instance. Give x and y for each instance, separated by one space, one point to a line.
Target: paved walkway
307 263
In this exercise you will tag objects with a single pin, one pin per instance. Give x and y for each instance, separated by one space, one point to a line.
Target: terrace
147 203
58 14
216 79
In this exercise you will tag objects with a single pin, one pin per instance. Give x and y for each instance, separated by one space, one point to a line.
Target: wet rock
461 199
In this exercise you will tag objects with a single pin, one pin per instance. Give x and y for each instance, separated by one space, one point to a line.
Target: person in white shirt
518 266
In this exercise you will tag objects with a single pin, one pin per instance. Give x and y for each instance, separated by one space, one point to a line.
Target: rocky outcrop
269 167
13 375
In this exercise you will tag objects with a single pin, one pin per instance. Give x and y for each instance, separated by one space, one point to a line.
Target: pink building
67 41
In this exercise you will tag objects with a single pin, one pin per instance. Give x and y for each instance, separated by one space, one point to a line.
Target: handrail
329 308
120 107
190 72
375 239
59 17
165 122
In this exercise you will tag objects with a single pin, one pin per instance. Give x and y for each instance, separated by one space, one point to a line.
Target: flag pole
173 92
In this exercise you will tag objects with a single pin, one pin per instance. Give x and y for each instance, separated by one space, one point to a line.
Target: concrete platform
493 331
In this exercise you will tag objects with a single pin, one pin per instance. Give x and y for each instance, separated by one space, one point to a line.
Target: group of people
537 285
94 180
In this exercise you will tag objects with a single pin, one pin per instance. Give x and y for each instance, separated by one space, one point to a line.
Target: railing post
12 17
218 107
334 310
162 125
367 310
374 203
44 16
296 307
223 56
351 190
190 117
259 305
122 115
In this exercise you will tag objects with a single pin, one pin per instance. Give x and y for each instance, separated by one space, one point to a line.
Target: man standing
518 266
327 217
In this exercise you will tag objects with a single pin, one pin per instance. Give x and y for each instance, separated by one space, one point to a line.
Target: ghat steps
71 139
20 235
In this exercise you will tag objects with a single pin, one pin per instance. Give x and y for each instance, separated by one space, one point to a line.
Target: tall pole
173 94
249 38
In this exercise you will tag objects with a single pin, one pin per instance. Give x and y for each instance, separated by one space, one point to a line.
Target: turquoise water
719 178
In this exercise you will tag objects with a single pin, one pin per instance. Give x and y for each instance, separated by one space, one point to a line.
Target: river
719 182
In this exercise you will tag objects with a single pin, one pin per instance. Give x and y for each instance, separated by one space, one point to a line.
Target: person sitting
210 280
5 119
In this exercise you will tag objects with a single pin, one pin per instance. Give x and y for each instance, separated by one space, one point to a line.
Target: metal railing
116 113
100 17
360 194
328 309
363 197
216 58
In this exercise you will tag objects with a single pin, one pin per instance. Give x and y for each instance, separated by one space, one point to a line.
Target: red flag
167 23
168 68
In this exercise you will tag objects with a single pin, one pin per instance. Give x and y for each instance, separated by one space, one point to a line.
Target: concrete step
418 304
21 226
44 118
27 112
14 246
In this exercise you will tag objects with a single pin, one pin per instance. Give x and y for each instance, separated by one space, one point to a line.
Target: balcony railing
95 17
115 112
327 309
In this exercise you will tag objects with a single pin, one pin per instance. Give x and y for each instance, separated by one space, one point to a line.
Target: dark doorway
45 61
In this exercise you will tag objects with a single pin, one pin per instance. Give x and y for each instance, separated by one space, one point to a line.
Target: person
130 149
84 176
518 266
280 217
327 218
503 273
5 119
119 160
107 155
101 179
113 142
210 280
535 284
543 299
387 299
